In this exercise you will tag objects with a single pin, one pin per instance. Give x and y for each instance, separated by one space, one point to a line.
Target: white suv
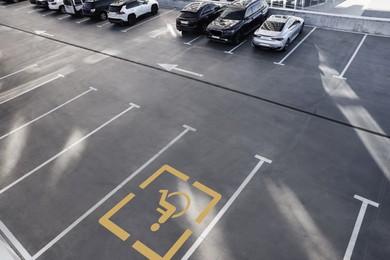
128 11
57 5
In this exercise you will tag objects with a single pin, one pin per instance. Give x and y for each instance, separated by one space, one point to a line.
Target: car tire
103 16
131 19
237 37
154 9
286 45
62 9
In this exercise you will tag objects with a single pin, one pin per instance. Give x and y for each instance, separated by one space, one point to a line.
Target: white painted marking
64 16
83 20
161 32
40 85
66 149
352 58
358 224
17 9
226 207
33 11
110 194
231 51
49 13
44 33
189 43
6 76
14 241
170 67
281 62
101 25
157 16
47 113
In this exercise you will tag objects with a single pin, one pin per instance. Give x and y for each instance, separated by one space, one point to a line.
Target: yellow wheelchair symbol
169 208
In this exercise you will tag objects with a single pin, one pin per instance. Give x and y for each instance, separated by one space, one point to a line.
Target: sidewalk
370 8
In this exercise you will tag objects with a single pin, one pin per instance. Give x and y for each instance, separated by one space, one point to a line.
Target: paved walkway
372 8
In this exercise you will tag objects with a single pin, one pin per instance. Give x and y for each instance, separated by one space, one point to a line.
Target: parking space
153 144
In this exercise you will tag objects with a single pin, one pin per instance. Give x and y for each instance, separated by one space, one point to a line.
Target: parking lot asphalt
277 155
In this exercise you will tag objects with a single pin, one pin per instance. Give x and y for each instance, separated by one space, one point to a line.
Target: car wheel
286 45
103 16
62 9
237 37
154 9
301 30
131 19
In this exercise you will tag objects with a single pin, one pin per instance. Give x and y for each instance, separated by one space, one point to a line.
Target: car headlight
93 10
229 31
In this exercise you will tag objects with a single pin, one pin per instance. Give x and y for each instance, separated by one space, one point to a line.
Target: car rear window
115 9
187 15
233 14
273 26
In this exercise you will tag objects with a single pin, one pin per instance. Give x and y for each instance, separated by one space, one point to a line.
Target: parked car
42 4
74 7
128 11
96 8
33 2
197 15
278 31
57 5
239 19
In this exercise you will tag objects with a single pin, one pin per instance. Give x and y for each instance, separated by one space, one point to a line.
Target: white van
57 5
74 7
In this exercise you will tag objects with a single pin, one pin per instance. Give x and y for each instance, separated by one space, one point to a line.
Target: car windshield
187 15
233 14
273 26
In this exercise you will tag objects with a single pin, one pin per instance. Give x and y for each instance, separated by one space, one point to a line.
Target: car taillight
120 12
277 39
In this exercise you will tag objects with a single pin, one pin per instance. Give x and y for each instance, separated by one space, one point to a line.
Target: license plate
265 45
215 37
184 22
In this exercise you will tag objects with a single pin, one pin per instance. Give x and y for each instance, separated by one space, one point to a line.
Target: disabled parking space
192 152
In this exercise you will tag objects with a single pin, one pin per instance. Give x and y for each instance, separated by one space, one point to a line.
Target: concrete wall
360 24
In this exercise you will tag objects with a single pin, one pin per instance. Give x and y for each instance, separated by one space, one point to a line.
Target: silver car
278 31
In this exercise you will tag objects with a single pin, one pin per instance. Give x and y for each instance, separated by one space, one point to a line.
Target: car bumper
267 44
53 6
187 27
42 4
115 18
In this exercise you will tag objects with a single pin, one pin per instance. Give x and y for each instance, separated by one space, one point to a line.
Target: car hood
222 24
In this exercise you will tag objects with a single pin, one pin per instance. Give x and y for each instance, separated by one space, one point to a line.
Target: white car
57 5
278 31
74 7
129 10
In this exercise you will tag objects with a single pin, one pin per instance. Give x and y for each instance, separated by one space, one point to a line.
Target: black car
96 8
197 15
240 18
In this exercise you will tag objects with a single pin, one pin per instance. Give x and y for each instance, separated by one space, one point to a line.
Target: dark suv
240 18
197 15
96 8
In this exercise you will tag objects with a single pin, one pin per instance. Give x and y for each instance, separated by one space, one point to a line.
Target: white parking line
110 194
64 16
14 242
157 16
17 9
281 62
101 25
6 76
231 51
341 76
66 149
47 113
83 20
226 206
189 43
161 32
358 224
50 13
33 11
24 92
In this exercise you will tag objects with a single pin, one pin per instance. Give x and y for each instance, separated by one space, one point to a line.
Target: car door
248 21
143 7
295 27
206 14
